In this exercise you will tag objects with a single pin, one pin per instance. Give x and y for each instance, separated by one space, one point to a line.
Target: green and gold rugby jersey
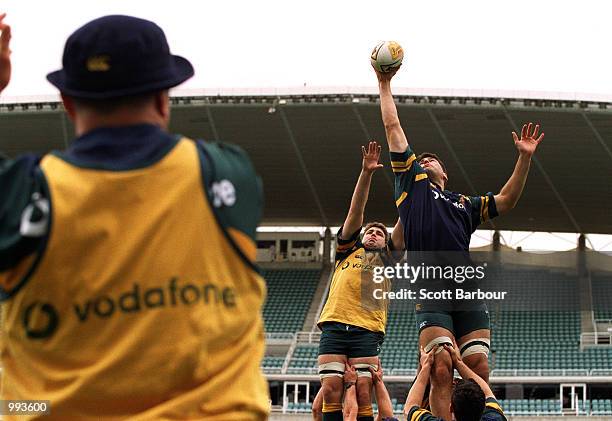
492 412
435 219
127 278
351 298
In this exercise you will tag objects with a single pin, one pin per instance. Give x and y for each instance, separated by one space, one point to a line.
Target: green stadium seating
290 292
523 338
602 295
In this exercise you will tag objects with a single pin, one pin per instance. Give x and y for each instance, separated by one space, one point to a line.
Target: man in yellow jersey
353 321
126 261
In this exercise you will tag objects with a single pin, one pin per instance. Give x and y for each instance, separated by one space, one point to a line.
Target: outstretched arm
466 372
397 235
385 406
415 396
5 53
350 407
354 219
395 134
512 190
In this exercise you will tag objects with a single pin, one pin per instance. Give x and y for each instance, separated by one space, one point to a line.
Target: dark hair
431 155
110 105
468 401
377 225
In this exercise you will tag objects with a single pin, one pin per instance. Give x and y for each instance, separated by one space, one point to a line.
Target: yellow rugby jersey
139 300
351 299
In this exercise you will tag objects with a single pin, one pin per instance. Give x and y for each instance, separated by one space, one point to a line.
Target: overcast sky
520 46
560 46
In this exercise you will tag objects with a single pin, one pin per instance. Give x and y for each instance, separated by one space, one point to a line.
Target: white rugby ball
387 56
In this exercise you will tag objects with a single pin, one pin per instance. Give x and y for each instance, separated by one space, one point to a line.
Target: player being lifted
435 219
352 321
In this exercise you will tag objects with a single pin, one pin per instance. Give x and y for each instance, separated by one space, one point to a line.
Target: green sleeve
420 414
483 209
233 187
405 168
24 209
344 247
493 410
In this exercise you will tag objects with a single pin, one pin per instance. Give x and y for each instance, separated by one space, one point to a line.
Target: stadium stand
602 295
518 334
290 292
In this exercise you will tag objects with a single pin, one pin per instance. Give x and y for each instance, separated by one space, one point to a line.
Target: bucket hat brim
182 70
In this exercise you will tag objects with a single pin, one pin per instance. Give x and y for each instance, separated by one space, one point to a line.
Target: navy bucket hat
115 56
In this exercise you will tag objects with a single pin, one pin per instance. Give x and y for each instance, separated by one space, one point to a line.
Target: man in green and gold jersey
353 320
472 399
127 260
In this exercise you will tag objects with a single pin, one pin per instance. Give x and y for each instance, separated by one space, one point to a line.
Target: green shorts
349 340
460 323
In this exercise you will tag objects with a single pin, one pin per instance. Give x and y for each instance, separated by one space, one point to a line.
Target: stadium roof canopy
307 150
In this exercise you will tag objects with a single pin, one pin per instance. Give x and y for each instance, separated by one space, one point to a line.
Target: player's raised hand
529 140
427 358
5 53
371 155
386 76
453 351
350 375
377 375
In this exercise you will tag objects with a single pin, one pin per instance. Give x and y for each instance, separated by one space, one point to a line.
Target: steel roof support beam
454 155
547 178
300 158
213 126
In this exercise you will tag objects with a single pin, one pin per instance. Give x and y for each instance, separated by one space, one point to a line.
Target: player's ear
162 105
69 106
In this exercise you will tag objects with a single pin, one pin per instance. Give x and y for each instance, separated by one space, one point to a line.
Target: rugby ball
387 56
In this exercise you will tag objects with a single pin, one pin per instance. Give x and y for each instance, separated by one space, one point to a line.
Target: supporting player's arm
466 372
354 219
351 407
397 236
415 396
526 145
5 53
385 406
396 138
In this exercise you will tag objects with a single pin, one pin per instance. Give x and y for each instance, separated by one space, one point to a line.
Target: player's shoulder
226 157
421 414
24 208
493 411
234 189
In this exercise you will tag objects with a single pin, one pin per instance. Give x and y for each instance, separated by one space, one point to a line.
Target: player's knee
442 370
332 392
475 354
480 365
363 393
